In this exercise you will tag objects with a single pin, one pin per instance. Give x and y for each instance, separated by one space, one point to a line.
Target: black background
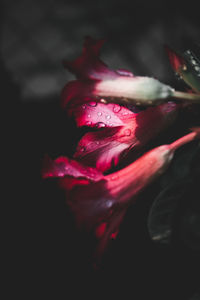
45 253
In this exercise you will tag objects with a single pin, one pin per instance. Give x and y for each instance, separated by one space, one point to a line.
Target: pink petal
89 65
103 149
63 166
100 206
95 211
101 115
77 92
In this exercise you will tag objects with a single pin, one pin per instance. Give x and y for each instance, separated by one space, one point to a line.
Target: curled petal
103 149
89 65
64 166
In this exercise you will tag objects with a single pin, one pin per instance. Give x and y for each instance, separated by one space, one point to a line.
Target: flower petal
104 148
95 211
63 166
96 80
100 206
101 115
89 65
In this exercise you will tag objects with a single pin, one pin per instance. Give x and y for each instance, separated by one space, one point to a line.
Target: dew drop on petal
100 125
88 123
81 149
83 106
116 108
114 177
127 132
108 117
92 103
89 116
99 113
109 203
103 101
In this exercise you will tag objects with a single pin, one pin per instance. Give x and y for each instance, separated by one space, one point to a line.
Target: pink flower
99 202
119 128
95 80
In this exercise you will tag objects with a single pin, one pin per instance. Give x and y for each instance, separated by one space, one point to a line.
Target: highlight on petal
103 149
64 166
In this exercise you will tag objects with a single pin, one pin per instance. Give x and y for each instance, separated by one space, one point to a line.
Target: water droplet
88 123
114 177
99 113
82 149
89 116
125 113
100 125
92 103
193 62
108 117
103 101
60 174
97 142
127 132
116 108
184 67
109 203
83 106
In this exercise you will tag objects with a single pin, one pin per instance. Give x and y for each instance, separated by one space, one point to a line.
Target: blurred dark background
44 251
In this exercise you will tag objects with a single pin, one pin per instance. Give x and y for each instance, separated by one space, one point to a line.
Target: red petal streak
63 166
175 59
100 230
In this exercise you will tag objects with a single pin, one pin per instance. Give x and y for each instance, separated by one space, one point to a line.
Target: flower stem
194 98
